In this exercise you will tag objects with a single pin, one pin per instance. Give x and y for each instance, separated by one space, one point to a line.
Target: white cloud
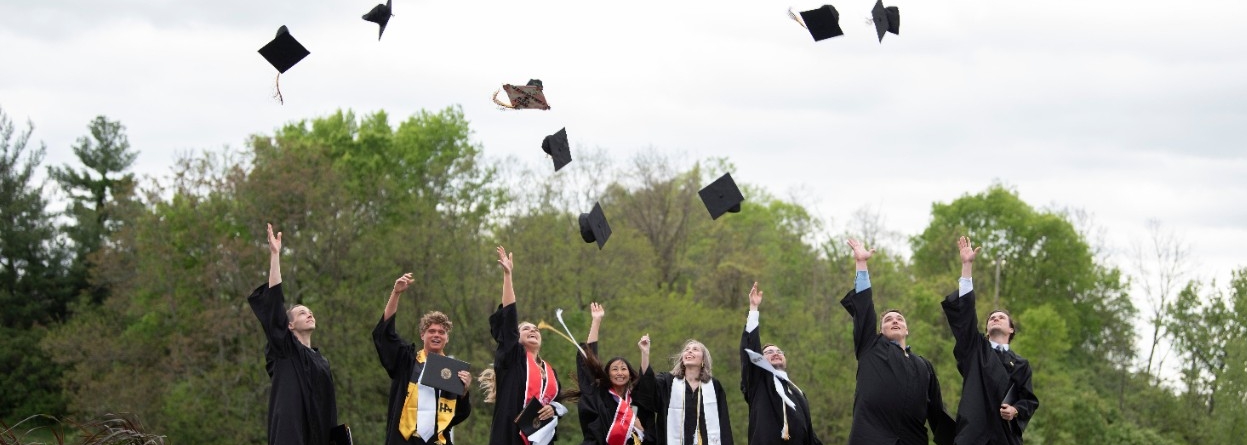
1130 110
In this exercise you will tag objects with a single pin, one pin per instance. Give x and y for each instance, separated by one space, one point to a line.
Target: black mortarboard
529 421
380 15
442 372
721 196
530 95
593 226
556 146
823 23
886 19
284 51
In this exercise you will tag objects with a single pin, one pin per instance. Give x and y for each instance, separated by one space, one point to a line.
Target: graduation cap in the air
721 196
531 95
886 19
380 15
593 226
822 23
556 146
283 52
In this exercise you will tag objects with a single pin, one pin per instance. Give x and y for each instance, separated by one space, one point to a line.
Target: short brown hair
433 318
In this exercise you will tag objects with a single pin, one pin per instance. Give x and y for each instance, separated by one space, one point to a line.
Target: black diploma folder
528 421
442 372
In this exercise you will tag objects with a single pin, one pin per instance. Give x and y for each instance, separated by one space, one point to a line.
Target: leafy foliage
361 201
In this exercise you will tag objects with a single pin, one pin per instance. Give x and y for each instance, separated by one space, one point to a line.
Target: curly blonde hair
432 318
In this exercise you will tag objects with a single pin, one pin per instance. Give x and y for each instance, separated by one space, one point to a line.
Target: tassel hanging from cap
795 18
495 98
277 90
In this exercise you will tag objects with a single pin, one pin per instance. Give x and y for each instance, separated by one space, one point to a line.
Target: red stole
535 386
543 389
622 423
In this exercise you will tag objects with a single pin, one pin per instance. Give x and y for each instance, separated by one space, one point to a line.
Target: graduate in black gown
897 389
779 413
608 414
689 404
302 407
997 400
417 414
519 373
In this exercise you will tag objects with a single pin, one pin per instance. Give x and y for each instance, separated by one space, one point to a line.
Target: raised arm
268 303
508 292
959 307
860 302
400 285
597 312
643 344
751 340
274 257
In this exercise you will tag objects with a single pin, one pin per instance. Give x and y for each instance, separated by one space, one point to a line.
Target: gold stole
445 408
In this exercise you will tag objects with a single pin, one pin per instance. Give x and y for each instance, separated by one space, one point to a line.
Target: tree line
129 296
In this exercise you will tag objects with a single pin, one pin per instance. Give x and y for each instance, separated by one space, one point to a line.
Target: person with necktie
997 400
778 410
898 394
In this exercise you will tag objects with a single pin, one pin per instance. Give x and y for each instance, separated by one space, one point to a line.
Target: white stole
426 404
676 413
776 374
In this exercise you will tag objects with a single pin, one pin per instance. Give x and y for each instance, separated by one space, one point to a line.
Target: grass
109 429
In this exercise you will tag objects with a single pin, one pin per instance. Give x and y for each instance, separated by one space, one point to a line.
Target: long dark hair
600 373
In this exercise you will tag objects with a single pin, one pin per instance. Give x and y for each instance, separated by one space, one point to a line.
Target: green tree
31 292
94 192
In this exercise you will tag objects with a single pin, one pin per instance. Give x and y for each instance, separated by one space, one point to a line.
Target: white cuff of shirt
964 286
751 322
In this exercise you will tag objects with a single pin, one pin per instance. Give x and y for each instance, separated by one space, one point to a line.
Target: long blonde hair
678 362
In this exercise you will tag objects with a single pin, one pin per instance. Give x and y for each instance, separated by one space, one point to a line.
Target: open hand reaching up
968 251
504 260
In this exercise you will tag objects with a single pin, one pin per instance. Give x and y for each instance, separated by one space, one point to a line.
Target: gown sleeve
268 304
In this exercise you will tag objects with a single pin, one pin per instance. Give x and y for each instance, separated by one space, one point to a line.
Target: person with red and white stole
608 414
519 374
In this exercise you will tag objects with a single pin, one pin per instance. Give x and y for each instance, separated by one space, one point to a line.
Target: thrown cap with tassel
283 52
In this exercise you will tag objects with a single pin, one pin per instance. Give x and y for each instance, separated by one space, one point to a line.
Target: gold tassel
543 325
495 98
487 381
795 18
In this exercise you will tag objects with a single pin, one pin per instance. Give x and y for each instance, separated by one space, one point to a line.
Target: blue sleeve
862 282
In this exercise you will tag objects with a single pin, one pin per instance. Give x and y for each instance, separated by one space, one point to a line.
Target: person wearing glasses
778 410
897 390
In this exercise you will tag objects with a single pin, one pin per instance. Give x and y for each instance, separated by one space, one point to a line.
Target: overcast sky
1129 110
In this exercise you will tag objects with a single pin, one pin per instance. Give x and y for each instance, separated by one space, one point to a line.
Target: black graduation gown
597 407
302 407
897 391
511 374
398 357
653 393
766 421
987 375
